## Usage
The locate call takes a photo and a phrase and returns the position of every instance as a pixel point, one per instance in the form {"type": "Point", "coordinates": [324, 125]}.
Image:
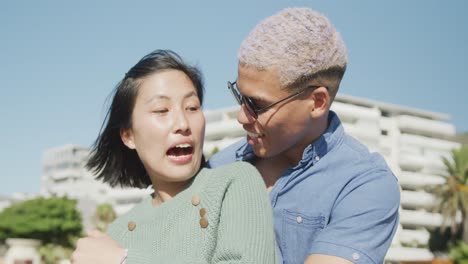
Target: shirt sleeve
{"type": "Point", "coordinates": [245, 231]}
{"type": "Point", "coordinates": [363, 221]}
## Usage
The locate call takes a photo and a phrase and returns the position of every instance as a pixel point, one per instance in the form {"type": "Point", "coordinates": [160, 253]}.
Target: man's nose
{"type": "Point", "coordinates": [244, 117]}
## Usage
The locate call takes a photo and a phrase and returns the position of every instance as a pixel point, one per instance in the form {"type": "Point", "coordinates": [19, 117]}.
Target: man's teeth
{"type": "Point", "coordinates": [186, 145]}
{"type": "Point", "coordinates": [254, 135]}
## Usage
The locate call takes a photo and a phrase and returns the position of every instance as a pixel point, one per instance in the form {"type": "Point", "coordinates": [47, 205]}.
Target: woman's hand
{"type": "Point", "coordinates": [97, 248]}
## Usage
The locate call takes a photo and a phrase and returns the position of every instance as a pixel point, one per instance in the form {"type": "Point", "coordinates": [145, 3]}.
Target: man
{"type": "Point", "coordinates": [333, 201]}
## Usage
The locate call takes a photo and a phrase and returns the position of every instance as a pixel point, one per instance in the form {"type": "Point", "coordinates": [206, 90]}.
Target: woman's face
{"type": "Point", "coordinates": [168, 127]}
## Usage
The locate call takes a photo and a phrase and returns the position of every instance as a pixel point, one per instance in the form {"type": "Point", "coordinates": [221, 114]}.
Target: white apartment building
{"type": "Point", "coordinates": [413, 143]}
{"type": "Point", "coordinates": [64, 174]}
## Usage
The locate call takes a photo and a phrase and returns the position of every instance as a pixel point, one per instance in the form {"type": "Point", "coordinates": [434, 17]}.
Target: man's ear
{"type": "Point", "coordinates": [321, 102]}
{"type": "Point", "coordinates": [127, 137]}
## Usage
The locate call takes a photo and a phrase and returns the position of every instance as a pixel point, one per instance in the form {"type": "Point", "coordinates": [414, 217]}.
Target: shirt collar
{"type": "Point", "coordinates": [245, 152]}
{"type": "Point", "coordinates": [329, 140]}
{"type": "Point", "coordinates": [332, 137]}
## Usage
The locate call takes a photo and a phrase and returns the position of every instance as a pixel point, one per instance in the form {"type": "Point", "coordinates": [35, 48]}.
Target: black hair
{"type": "Point", "coordinates": [110, 159]}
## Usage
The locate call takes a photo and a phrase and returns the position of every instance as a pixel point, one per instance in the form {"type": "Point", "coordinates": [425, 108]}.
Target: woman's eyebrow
{"type": "Point", "coordinates": [157, 96]}
{"type": "Point", "coordinates": [165, 97]}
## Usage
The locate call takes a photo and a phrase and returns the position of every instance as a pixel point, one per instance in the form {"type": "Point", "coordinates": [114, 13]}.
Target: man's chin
{"type": "Point", "coordinates": [260, 152]}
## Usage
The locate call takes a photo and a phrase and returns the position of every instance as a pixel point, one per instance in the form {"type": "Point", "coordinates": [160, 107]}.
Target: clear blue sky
{"type": "Point", "coordinates": [59, 60]}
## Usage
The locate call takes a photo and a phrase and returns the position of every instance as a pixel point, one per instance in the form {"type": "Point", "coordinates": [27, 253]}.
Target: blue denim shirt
{"type": "Point", "coordinates": [340, 200]}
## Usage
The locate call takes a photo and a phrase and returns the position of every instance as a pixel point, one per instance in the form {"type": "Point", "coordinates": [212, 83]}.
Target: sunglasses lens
{"type": "Point", "coordinates": [235, 93]}
{"type": "Point", "coordinates": [242, 100]}
{"type": "Point", "coordinates": [249, 107]}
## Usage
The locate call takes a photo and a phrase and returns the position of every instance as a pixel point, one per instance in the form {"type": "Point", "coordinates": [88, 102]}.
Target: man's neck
{"type": "Point", "coordinates": [271, 169]}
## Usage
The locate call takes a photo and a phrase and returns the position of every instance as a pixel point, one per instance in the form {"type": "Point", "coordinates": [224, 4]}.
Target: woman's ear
{"type": "Point", "coordinates": [321, 102]}
{"type": "Point", "coordinates": [127, 137]}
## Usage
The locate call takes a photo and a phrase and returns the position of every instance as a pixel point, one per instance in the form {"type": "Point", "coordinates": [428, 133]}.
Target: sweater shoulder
{"type": "Point", "coordinates": [236, 171]}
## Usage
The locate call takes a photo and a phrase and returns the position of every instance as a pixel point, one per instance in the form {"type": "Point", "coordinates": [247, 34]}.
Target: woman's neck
{"type": "Point", "coordinates": [166, 191]}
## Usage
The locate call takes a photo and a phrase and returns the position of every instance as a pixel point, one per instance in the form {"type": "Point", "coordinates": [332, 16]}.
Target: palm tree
{"type": "Point", "coordinates": [453, 195]}
{"type": "Point", "coordinates": [104, 215]}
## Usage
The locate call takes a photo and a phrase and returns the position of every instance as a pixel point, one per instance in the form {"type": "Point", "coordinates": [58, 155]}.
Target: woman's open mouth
{"type": "Point", "coordinates": [181, 153]}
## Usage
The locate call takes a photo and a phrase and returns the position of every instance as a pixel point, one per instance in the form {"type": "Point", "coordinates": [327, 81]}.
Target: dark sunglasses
{"type": "Point", "coordinates": [254, 110]}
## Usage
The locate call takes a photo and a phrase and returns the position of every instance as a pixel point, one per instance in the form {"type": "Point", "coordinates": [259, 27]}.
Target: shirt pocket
{"type": "Point", "coordinates": [299, 231]}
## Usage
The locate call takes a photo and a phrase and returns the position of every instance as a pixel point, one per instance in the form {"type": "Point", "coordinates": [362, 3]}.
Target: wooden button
{"type": "Point", "coordinates": [196, 200]}
{"type": "Point", "coordinates": [131, 226]}
{"type": "Point", "coordinates": [203, 222]}
{"type": "Point", "coordinates": [202, 212]}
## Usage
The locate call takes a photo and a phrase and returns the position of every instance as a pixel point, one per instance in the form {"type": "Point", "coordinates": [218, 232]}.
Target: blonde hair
{"type": "Point", "coordinates": [301, 44]}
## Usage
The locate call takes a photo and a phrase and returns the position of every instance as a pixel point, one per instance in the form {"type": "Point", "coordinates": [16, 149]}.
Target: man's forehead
{"type": "Point", "coordinates": [261, 85]}
{"type": "Point", "coordinates": [257, 77]}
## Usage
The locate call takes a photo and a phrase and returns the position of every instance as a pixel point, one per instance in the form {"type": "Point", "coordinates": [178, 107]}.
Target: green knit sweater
{"type": "Point", "coordinates": [224, 216]}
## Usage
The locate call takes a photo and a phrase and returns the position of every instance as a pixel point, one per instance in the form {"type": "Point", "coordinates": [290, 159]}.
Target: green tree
{"type": "Point", "coordinates": [51, 220]}
{"type": "Point", "coordinates": [453, 195]}
{"type": "Point", "coordinates": [459, 253]}
{"type": "Point", "coordinates": [53, 254]}
{"type": "Point", "coordinates": [104, 215]}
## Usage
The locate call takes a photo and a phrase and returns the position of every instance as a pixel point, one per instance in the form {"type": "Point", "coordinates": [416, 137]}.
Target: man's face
{"type": "Point", "coordinates": [283, 130]}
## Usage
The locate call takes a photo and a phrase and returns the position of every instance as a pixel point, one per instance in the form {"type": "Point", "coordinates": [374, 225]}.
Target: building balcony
{"type": "Point", "coordinates": [351, 113]}
{"type": "Point", "coordinates": [412, 218]}
{"type": "Point", "coordinates": [219, 115]}
{"type": "Point", "coordinates": [414, 180]}
{"type": "Point", "coordinates": [418, 199]}
{"type": "Point", "coordinates": [222, 129]}
{"type": "Point", "coordinates": [429, 164]}
{"type": "Point", "coordinates": [414, 237]}
{"type": "Point", "coordinates": [408, 254]}
{"type": "Point", "coordinates": [62, 175]}
{"type": "Point", "coordinates": [368, 134]}
{"type": "Point", "coordinates": [422, 126]}
{"type": "Point", "coordinates": [411, 162]}
{"type": "Point", "coordinates": [422, 142]}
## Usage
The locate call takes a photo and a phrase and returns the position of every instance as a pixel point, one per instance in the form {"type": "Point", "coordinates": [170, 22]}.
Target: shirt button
{"type": "Point", "coordinates": [203, 222]}
{"type": "Point", "coordinates": [317, 158]}
{"type": "Point", "coordinates": [131, 226]}
{"type": "Point", "coordinates": [356, 256]}
{"type": "Point", "coordinates": [299, 219]}
{"type": "Point", "coordinates": [196, 200]}
{"type": "Point", "coordinates": [202, 212]}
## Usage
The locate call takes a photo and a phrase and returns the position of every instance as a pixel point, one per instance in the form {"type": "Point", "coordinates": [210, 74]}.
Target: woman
{"type": "Point", "coordinates": [154, 136]}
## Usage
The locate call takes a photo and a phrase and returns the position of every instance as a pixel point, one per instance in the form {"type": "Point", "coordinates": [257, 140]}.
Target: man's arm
{"type": "Point", "coordinates": [97, 248]}
{"type": "Point", "coordinates": [318, 258]}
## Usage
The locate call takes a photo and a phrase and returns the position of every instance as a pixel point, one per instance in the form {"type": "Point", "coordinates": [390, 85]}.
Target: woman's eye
{"type": "Point", "coordinates": [193, 108]}
{"type": "Point", "coordinates": [160, 111]}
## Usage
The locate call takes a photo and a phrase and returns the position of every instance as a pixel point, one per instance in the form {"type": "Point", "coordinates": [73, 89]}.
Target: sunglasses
{"type": "Point", "coordinates": [254, 110]}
